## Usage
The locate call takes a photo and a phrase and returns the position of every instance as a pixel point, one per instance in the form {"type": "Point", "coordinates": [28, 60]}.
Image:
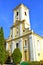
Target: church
{"type": "Point", "coordinates": [22, 37]}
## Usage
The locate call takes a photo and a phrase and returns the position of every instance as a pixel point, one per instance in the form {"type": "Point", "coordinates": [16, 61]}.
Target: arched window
{"type": "Point", "coordinates": [17, 13]}
{"type": "Point", "coordinates": [25, 42]}
{"type": "Point", "coordinates": [16, 45]}
{"type": "Point", "coordinates": [25, 13]}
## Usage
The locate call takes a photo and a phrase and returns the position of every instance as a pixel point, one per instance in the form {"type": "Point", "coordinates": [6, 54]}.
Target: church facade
{"type": "Point", "coordinates": [22, 37]}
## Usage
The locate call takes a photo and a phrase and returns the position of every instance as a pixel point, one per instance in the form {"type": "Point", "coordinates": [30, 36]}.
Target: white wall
{"type": "Point", "coordinates": [21, 14]}
{"type": "Point", "coordinates": [7, 46]}
{"type": "Point", "coordinates": [13, 46]}
{"type": "Point", "coordinates": [13, 33]}
{"type": "Point", "coordinates": [34, 47]}
{"type": "Point", "coordinates": [21, 31]}
{"type": "Point", "coordinates": [31, 48]}
{"type": "Point", "coordinates": [20, 44]}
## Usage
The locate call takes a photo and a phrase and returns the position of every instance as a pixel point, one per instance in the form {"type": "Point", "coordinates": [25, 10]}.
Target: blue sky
{"type": "Point", "coordinates": [36, 14]}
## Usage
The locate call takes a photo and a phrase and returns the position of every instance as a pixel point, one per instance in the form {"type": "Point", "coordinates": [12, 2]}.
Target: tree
{"type": "Point", "coordinates": [16, 56]}
{"type": "Point", "coordinates": [2, 49]}
{"type": "Point", "coordinates": [7, 58]}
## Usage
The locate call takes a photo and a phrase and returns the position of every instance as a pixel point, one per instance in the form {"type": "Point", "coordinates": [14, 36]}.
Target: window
{"type": "Point", "coordinates": [38, 54]}
{"type": "Point", "coordinates": [38, 45]}
{"type": "Point", "coordinates": [17, 27]}
{"type": "Point", "coordinates": [16, 21]}
{"type": "Point", "coordinates": [11, 35]}
{"type": "Point", "coordinates": [25, 13]}
{"type": "Point", "coordinates": [25, 42]}
{"type": "Point", "coordinates": [16, 45]}
{"type": "Point", "coordinates": [23, 30]}
{"type": "Point", "coordinates": [17, 32]}
{"type": "Point", "coordinates": [17, 13]}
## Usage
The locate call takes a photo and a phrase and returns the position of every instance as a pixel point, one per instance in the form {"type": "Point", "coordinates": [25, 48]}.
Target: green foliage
{"type": "Point", "coordinates": [16, 56]}
{"type": "Point", "coordinates": [6, 56]}
{"type": "Point", "coordinates": [8, 60]}
{"type": "Point", "coordinates": [32, 63]}
{"type": "Point", "coordinates": [24, 63]}
{"type": "Point", "coordinates": [1, 37]}
{"type": "Point", "coordinates": [36, 63]}
{"type": "Point", "coordinates": [2, 49]}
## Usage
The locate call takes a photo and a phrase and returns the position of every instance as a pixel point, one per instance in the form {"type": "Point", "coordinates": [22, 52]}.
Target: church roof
{"type": "Point", "coordinates": [37, 35]}
{"type": "Point", "coordinates": [19, 6]}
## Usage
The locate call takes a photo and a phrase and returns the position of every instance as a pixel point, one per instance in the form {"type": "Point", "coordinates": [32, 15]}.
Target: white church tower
{"type": "Point", "coordinates": [21, 13]}
{"type": "Point", "coordinates": [21, 23]}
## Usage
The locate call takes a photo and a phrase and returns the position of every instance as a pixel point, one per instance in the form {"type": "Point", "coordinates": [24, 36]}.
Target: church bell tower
{"type": "Point", "coordinates": [21, 12]}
